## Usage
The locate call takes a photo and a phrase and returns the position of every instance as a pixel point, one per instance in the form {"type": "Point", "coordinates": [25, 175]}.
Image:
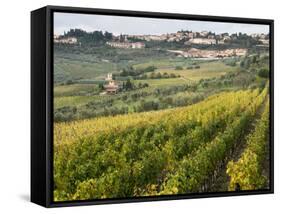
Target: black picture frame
{"type": "Point", "coordinates": [42, 103]}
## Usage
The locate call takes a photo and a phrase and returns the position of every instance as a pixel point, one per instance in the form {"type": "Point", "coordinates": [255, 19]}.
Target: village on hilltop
{"type": "Point", "coordinates": [188, 37]}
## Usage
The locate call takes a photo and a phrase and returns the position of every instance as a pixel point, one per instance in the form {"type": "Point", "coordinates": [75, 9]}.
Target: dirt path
{"type": "Point", "coordinates": [222, 180]}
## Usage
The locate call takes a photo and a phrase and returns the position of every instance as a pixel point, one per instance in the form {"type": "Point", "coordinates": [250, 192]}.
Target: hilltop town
{"type": "Point", "coordinates": [186, 38]}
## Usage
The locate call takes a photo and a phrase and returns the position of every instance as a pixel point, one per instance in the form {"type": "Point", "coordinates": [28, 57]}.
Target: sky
{"type": "Point", "coordinates": [140, 26]}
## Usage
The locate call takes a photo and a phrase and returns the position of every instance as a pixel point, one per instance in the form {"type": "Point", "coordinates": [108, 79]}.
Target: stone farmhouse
{"type": "Point", "coordinates": [111, 87]}
{"type": "Point", "coordinates": [68, 40]}
{"type": "Point", "coordinates": [126, 45]}
{"type": "Point", "coordinates": [203, 41]}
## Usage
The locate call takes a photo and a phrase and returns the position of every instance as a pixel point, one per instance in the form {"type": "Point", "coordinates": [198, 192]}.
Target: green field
{"type": "Point", "coordinates": [206, 70]}
{"type": "Point", "coordinates": [75, 69]}
{"type": "Point", "coordinates": [83, 67]}
{"type": "Point", "coordinates": [74, 90]}
{"type": "Point", "coordinates": [80, 66]}
{"type": "Point", "coordinates": [168, 62]}
{"type": "Point", "coordinates": [81, 94]}
{"type": "Point", "coordinates": [164, 82]}
{"type": "Point", "coordinates": [72, 101]}
{"type": "Point", "coordinates": [176, 81]}
{"type": "Point", "coordinates": [67, 95]}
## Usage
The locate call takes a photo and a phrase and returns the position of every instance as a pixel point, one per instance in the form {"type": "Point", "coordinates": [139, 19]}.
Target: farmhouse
{"type": "Point", "coordinates": [112, 87]}
{"type": "Point", "coordinates": [264, 41]}
{"type": "Point", "coordinates": [204, 33]}
{"type": "Point", "coordinates": [240, 51]}
{"type": "Point", "coordinates": [126, 45]}
{"type": "Point", "coordinates": [68, 40]}
{"type": "Point", "coordinates": [138, 45]}
{"type": "Point", "coordinates": [119, 44]}
{"type": "Point", "coordinates": [202, 41]}
{"type": "Point", "coordinates": [162, 37]}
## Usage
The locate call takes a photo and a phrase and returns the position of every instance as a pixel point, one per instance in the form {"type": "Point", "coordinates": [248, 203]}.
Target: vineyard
{"type": "Point", "coordinates": [173, 151]}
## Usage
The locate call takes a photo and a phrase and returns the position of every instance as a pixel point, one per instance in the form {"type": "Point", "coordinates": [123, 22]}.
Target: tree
{"type": "Point", "coordinates": [172, 75]}
{"type": "Point", "coordinates": [264, 73]}
{"type": "Point", "coordinates": [245, 63]}
{"type": "Point", "coordinates": [69, 82]}
{"type": "Point", "coordinates": [128, 85]}
{"type": "Point", "coordinates": [178, 68]}
{"type": "Point", "coordinates": [101, 86]}
{"type": "Point", "coordinates": [152, 75]}
{"type": "Point", "coordinates": [158, 75]}
{"type": "Point", "coordinates": [107, 35]}
{"type": "Point", "coordinates": [254, 59]}
{"type": "Point", "coordinates": [145, 85]}
{"type": "Point", "coordinates": [121, 38]}
{"type": "Point", "coordinates": [149, 69]}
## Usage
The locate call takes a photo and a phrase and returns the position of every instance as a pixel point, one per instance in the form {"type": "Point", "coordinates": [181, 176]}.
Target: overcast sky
{"type": "Point", "coordinates": [132, 25]}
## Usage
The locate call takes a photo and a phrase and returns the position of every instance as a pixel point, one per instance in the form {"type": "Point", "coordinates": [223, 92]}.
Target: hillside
{"type": "Point", "coordinates": [172, 151]}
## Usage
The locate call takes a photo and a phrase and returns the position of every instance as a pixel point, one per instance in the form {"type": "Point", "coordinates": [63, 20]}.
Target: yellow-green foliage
{"type": "Point", "coordinates": [247, 171]}
{"type": "Point", "coordinates": [148, 153]}
{"type": "Point", "coordinates": [197, 167]}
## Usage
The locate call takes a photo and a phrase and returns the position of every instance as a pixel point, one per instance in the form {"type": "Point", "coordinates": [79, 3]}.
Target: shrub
{"type": "Point", "coordinates": [264, 73]}
{"type": "Point", "coordinates": [178, 68]}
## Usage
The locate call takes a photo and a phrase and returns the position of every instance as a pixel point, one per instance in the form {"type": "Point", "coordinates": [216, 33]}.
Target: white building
{"type": "Point", "coordinates": [204, 33]}
{"type": "Point", "coordinates": [68, 40]}
{"type": "Point", "coordinates": [264, 41]}
{"type": "Point", "coordinates": [202, 41]}
{"type": "Point", "coordinates": [138, 45]}
{"type": "Point", "coordinates": [126, 45]}
{"type": "Point", "coordinates": [111, 87]}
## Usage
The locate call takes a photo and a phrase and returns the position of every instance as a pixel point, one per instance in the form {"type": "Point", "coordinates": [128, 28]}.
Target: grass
{"type": "Point", "coordinates": [164, 63]}
{"type": "Point", "coordinates": [163, 82]}
{"type": "Point", "coordinates": [88, 66]}
{"type": "Point", "coordinates": [75, 69]}
{"type": "Point", "coordinates": [72, 101]}
{"type": "Point", "coordinates": [74, 89]}
{"type": "Point", "coordinates": [206, 70]}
